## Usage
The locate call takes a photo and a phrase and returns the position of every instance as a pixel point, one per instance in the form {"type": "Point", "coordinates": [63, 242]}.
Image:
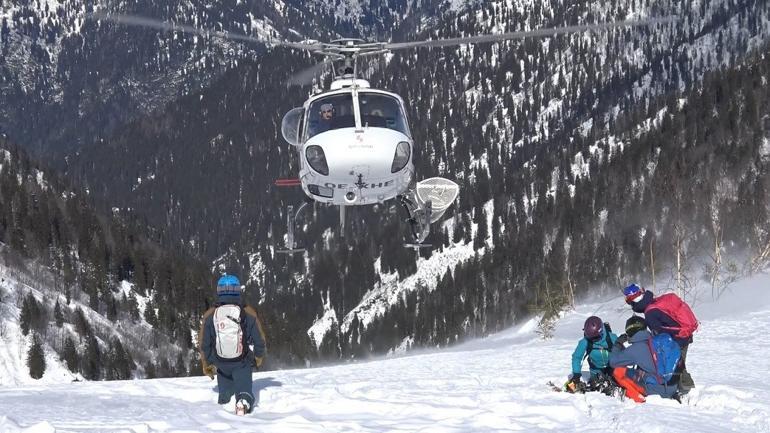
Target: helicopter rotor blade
{"type": "Point", "coordinates": [305, 76]}
{"type": "Point", "coordinates": [139, 21]}
{"type": "Point", "coordinates": [538, 33]}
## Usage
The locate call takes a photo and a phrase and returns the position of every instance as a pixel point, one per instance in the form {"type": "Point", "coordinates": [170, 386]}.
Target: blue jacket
{"type": "Point", "coordinates": [638, 354]}
{"type": "Point", "coordinates": [599, 357]}
{"type": "Point", "coordinates": [657, 321]}
{"type": "Point", "coordinates": [254, 335]}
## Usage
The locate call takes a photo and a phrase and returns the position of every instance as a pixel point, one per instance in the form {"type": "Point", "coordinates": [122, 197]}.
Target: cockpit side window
{"type": "Point", "coordinates": [382, 111]}
{"type": "Point", "coordinates": [331, 112]}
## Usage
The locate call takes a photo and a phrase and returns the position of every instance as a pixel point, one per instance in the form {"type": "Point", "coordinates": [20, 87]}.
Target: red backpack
{"type": "Point", "coordinates": [679, 311]}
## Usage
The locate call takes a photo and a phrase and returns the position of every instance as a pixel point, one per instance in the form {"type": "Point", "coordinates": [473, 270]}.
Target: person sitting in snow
{"type": "Point", "coordinates": [227, 330]}
{"type": "Point", "coordinates": [635, 369]}
{"type": "Point", "coordinates": [595, 347]}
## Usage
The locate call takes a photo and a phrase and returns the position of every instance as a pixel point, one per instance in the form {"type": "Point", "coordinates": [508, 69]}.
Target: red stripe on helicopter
{"type": "Point", "coordinates": [287, 182]}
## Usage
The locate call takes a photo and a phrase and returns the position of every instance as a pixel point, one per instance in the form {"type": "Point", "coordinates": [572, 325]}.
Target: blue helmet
{"type": "Point", "coordinates": [228, 285]}
{"type": "Point", "coordinates": [632, 292]}
{"type": "Point", "coordinates": [228, 280]}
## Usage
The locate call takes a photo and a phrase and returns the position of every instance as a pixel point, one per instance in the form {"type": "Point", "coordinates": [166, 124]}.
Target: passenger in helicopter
{"type": "Point", "coordinates": [382, 111]}
{"type": "Point", "coordinates": [375, 118]}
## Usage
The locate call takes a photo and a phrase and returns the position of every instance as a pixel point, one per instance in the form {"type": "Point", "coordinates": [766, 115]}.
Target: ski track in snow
{"type": "Point", "coordinates": [494, 384]}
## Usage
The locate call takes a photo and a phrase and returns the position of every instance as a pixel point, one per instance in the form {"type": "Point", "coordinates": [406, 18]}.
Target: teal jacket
{"type": "Point", "coordinates": [598, 359]}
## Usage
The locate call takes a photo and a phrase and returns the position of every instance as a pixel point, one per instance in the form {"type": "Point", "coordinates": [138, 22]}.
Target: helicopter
{"type": "Point", "coordinates": [355, 148]}
{"type": "Point", "coordinates": [353, 141]}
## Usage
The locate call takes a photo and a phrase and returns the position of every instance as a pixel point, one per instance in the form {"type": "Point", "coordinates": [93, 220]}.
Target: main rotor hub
{"type": "Point", "coordinates": [347, 50]}
{"type": "Point", "coordinates": [350, 47]}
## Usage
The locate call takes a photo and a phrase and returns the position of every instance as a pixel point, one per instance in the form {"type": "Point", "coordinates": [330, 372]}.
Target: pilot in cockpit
{"type": "Point", "coordinates": [326, 119]}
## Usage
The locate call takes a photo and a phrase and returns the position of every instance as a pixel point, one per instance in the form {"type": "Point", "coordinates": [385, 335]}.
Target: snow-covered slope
{"type": "Point", "coordinates": [14, 347]}
{"type": "Point", "coordinates": [16, 284]}
{"type": "Point", "coordinates": [495, 384]}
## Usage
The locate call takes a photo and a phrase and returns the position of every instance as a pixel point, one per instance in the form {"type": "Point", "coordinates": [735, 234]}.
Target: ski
{"type": "Point", "coordinates": [554, 387]}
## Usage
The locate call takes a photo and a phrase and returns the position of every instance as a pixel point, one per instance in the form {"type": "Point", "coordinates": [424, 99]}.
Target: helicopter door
{"type": "Point", "coordinates": [290, 126]}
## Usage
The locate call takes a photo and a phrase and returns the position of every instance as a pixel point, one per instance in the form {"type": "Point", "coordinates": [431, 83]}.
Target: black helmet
{"type": "Point", "coordinates": [592, 329]}
{"type": "Point", "coordinates": [635, 324]}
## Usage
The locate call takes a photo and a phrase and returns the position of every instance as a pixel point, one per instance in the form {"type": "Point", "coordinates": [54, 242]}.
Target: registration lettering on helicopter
{"type": "Point", "coordinates": [361, 185]}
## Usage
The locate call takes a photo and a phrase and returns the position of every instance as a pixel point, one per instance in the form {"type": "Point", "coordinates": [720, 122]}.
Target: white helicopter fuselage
{"type": "Point", "coordinates": [359, 162]}
{"type": "Point", "coordinates": [365, 158]}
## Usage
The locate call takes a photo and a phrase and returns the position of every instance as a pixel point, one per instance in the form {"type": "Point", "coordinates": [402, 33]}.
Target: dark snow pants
{"type": "Point", "coordinates": [685, 382]}
{"type": "Point", "coordinates": [234, 379]}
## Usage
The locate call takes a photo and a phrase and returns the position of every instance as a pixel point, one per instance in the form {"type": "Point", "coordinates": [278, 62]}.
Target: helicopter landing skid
{"type": "Point", "coordinates": [291, 219]}
{"type": "Point", "coordinates": [419, 218]}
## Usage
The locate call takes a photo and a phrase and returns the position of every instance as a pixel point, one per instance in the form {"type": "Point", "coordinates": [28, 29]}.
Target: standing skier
{"type": "Point", "coordinates": [595, 347]}
{"type": "Point", "coordinates": [670, 315]}
{"type": "Point", "coordinates": [227, 331]}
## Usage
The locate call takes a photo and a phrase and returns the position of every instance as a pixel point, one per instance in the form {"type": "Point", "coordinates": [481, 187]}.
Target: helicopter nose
{"type": "Point", "coordinates": [360, 169]}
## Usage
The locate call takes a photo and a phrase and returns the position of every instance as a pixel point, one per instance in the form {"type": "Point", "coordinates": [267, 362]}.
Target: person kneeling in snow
{"type": "Point", "coordinates": [227, 330]}
{"type": "Point", "coordinates": [656, 359]}
{"type": "Point", "coordinates": [595, 347]}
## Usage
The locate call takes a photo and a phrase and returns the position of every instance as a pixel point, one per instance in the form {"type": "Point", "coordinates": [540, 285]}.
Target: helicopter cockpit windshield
{"type": "Point", "coordinates": [331, 112]}
{"type": "Point", "coordinates": [381, 111]}
{"type": "Point", "coordinates": [376, 110]}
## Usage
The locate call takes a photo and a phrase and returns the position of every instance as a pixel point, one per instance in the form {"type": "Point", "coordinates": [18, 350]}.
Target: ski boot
{"type": "Point", "coordinates": [575, 387]}
{"type": "Point", "coordinates": [242, 407]}
{"type": "Point", "coordinates": [603, 384]}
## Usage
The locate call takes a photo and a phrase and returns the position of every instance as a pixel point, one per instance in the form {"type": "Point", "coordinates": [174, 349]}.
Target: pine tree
{"type": "Point", "coordinates": [149, 314]}
{"type": "Point", "coordinates": [92, 359]}
{"type": "Point", "coordinates": [457, 230]}
{"type": "Point", "coordinates": [196, 367]}
{"type": "Point", "coordinates": [180, 369]}
{"type": "Point", "coordinates": [57, 314]}
{"type": "Point", "coordinates": [112, 309]}
{"type": "Point", "coordinates": [82, 327]}
{"type": "Point", "coordinates": [36, 358]}
{"type": "Point", "coordinates": [70, 355]}
{"type": "Point", "coordinates": [164, 369]}
{"type": "Point", "coordinates": [149, 370]}
{"type": "Point", "coordinates": [133, 308]}
{"type": "Point", "coordinates": [481, 229]}
{"type": "Point", "coordinates": [25, 319]}
{"type": "Point", "coordinates": [119, 362]}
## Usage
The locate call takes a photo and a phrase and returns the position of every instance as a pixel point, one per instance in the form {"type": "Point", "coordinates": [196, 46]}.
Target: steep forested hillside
{"type": "Point", "coordinates": [93, 287]}
{"type": "Point", "coordinates": [83, 78]}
